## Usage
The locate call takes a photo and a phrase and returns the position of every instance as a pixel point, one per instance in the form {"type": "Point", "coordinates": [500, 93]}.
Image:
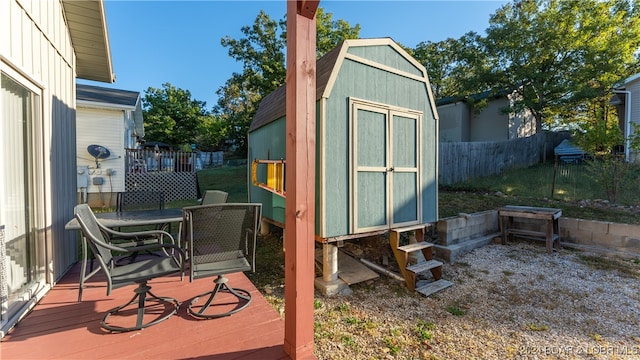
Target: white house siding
{"type": "Point", "coordinates": [106, 128]}
{"type": "Point", "coordinates": [35, 46]}
{"type": "Point", "coordinates": [130, 131]}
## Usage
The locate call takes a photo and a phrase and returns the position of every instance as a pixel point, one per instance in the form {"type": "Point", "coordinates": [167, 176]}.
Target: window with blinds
{"type": "Point", "coordinates": [20, 270]}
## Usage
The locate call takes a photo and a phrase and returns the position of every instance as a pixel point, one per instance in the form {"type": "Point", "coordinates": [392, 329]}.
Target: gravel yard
{"type": "Point", "coordinates": [508, 302]}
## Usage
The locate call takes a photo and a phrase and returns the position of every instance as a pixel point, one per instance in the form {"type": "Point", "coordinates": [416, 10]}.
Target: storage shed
{"type": "Point", "coordinates": [377, 144]}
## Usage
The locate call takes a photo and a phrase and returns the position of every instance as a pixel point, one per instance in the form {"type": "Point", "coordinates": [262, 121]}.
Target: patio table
{"type": "Point", "coordinates": [133, 218]}
{"type": "Point", "coordinates": [123, 219]}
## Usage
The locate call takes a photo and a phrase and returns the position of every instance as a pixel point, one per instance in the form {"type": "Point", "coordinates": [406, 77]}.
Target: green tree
{"type": "Point", "coordinates": [600, 137]}
{"type": "Point", "coordinates": [212, 134]}
{"type": "Point", "coordinates": [330, 33]}
{"type": "Point", "coordinates": [453, 65]}
{"type": "Point", "coordinates": [172, 116]}
{"type": "Point", "coordinates": [559, 56]}
{"type": "Point", "coordinates": [262, 54]}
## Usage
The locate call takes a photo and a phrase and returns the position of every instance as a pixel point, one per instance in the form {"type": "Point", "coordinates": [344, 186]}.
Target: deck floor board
{"type": "Point", "coordinates": [59, 327]}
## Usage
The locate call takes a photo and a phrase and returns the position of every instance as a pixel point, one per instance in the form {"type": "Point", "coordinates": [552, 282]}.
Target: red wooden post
{"type": "Point", "coordinates": [300, 178]}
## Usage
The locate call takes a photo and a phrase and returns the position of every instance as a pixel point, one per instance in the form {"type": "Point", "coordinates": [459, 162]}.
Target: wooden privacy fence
{"type": "Point", "coordinates": [461, 161]}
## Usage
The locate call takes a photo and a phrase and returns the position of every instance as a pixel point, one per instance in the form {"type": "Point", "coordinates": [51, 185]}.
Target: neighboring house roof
{"type": "Point", "coordinates": [106, 98]}
{"type": "Point", "coordinates": [97, 94]}
{"type": "Point", "coordinates": [88, 29]}
{"type": "Point", "coordinates": [273, 105]}
{"type": "Point", "coordinates": [630, 79]}
{"type": "Point", "coordinates": [474, 97]}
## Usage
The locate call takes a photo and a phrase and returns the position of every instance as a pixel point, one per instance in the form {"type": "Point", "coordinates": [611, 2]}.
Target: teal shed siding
{"type": "Point", "coordinates": [376, 74]}
{"type": "Point", "coordinates": [267, 143]}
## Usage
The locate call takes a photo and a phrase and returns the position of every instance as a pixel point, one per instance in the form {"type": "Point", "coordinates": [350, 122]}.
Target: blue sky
{"type": "Point", "coordinates": [154, 42]}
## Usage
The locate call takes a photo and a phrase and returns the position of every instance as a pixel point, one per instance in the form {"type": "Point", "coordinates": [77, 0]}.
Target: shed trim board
{"type": "Point", "coordinates": [388, 169]}
{"type": "Point", "coordinates": [381, 41]}
{"type": "Point", "coordinates": [321, 173]}
{"type": "Point", "coordinates": [377, 65]}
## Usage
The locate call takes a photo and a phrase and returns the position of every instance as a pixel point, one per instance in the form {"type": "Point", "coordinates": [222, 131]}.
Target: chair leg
{"type": "Point", "coordinates": [140, 297]}
{"type": "Point", "coordinates": [244, 299]}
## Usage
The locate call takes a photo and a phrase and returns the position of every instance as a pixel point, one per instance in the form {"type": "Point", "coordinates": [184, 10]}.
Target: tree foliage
{"type": "Point", "coordinates": [262, 54]}
{"type": "Point", "coordinates": [453, 65]}
{"type": "Point", "coordinates": [173, 117]}
{"type": "Point", "coordinates": [560, 55]}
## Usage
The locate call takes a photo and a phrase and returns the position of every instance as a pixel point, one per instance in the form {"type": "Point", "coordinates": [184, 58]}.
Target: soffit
{"type": "Point", "coordinates": [87, 25]}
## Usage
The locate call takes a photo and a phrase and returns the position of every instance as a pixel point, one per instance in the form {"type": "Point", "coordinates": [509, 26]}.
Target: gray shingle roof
{"type": "Point", "coordinates": [273, 106]}
{"type": "Point", "coordinates": [106, 95]}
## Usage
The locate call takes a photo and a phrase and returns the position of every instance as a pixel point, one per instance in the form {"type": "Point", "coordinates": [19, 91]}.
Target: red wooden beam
{"type": "Point", "coordinates": [300, 178]}
{"type": "Point", "coordinates": [307, 8]}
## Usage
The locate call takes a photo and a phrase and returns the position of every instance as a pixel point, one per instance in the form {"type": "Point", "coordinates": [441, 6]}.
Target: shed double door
{"type": "Point", "coordinates": [385, 158]}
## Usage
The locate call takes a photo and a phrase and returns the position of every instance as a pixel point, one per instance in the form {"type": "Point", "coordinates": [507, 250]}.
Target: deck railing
{"type": "Point", "coordinates": [150, 160]}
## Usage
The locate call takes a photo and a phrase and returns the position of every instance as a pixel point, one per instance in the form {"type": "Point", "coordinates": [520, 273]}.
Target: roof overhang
{"type": "Point", "coordinates": [87, 25]}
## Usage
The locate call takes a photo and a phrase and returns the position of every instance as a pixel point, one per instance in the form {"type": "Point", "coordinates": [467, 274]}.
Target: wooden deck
{"type": "Point", "coordinates": [59, 327]}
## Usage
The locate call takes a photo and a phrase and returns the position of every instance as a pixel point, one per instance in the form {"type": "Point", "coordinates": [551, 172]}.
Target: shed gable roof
{"type": "Point", "coordinates": [273, 105]}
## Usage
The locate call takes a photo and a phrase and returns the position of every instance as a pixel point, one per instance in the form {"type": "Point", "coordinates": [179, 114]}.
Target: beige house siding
{"type": "Point", "coordinates": [454, 122]}
{"type": "Point", "coordinates": [459, 122]}
{"type": "Point", "coordinates": [490, 124]}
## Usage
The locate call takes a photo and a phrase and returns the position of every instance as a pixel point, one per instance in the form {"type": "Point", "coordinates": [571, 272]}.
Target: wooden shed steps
{"type": "Point", "coordinates": [409, 271]}
{"type": "Point", "coordinates": [434, 287]}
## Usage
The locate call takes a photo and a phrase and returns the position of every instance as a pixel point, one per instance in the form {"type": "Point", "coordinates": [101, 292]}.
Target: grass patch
{"type": "Point", "coordinates": [532, 187]}
{"type": "Point", "coordinates": [269, 274]}
{"type": "Point", "coordinates": [392, 344]}
{"type": "Point", "coordinates": [347, 340]}
{"type": "Point", "coordinates": [456, 311]}
{"type": "Point", "coordinates": [232, 179]}
{"type": "Point", "coordinates": [424, 330]}
{"type": "Point", "coordinates": [628, 268]}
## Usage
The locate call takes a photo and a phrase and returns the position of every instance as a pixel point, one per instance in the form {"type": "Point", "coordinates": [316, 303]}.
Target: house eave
{"type": "Point", "coordinates": [101, 105]}
{"type": "Point", "coordinates": [87, 25]}
{"type": "Point", "coordinates": [623, 84]}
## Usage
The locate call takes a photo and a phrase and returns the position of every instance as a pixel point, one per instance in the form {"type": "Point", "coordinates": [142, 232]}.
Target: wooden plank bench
{"type": "Point", "coordinates": [551, 235]}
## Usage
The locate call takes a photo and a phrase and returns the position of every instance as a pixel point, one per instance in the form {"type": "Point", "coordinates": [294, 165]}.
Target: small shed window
{"type": "Point", "coordinates": [272, 179]}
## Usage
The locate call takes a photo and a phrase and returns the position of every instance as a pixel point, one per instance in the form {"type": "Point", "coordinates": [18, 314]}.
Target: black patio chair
{"type": "Point", "coordinates": [139, 200]}
{"type": "Point", "coordinates": [170, 261]}
{"type": "Point", "coordinates": [221, 239]}
{"type": "Point", "coordinates": [214, 197]}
